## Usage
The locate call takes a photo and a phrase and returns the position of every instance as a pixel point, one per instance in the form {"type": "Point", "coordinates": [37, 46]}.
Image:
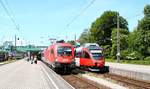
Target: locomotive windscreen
{"type": "Point", "coordinates": [94, 47]}
{"type": "Point", "coordinates": [64, 50]}
{"type": "Point", "coordinates": [97, 56]}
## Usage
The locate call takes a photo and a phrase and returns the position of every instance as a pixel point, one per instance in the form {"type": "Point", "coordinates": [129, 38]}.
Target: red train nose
{"type": "Point", "coordinates": [100, 64]}
{"type": "Point", "coordinates": [96, 64]}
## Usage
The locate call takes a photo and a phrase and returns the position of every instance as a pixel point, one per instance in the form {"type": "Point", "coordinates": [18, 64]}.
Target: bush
{"type": "Point", "coordinates": [134, 55]}
{"type": "Point", "coordinates": [106, 51]}
{"type": "Point", "coordinates": [124, 54]}
{"type": "Point", "coordinates": [147, 58]}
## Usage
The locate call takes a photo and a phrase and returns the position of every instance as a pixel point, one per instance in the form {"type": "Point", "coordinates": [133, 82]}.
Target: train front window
{"type": "Point", "coordinates": [64, 51]}
{"type": "Point", "coordinates": [94, 47]}
{"type": "Point", "coordinates": [85, 55]}
{"type": "Point", "coordinates": [97, 56]}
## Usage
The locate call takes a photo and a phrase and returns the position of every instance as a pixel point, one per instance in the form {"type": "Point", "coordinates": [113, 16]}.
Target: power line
{"type": "Point", "coordinates": [9, 14]}
{"type": "Point", "coordinates": [131, 17]}
{"type": "Point", "coordinates": [9, 8]}
{"type": "Point", "coordinates": [76, 17]}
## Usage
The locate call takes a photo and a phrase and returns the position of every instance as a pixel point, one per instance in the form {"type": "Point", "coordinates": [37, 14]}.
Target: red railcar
{"type": "Point", "coordinates": [60, 56]}
{"type": "Point", "coordinates": [90, 56]}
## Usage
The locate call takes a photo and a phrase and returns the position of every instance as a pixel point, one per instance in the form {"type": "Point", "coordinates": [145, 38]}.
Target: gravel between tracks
{"type": "Point", "coordinates": [82, 83]}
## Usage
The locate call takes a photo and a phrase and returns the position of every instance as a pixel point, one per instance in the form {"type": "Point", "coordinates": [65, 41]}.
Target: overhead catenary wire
{"type": "Point", "coordinates": [77, 16]}
{"type": "Point", "coordinates": [5, 5]}
{"type": "Point", "coordinates": [9, 8]}
{"type": "Point", "coordinates": [11, 16]}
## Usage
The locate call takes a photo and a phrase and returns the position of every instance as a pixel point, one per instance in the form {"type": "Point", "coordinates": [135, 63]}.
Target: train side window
{"type": "Point", "coordinates": [85, 55]}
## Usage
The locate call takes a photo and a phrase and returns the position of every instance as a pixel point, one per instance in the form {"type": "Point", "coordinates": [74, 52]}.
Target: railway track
{"type": "Point", "coordinates": [130, 82]}
{"type": "Point", "coordinates": [79, 82]}
{"type": "Point", "coordinates": [127, 82]}
{"type": "Point", "coordinates": [82, 83]}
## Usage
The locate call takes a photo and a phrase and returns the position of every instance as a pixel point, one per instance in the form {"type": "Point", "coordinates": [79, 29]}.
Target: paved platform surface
{"type": "Point", "coordinates": [104, 82]}
{"type": "Point", "coordinates": [24, 75]}
{"type": "Point", "coordinates": [140, 72]}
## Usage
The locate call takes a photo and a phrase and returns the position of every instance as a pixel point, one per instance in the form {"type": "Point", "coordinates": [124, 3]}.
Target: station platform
{"type": "Point", "coordinates": [138, 72]}
{"type": "Point", "coordinates": [24, 75]}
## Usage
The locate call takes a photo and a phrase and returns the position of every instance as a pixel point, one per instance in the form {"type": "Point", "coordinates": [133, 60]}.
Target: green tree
{"type": "Point", "coordinates": [147, 10]}
{"type": "Point", "coordinates": [101, 29]}
{"type": "Point", "coordinates": [123, 40]}
{"type": "Point", "coordinates": [85, 37]}
{"type": "Point", "coordinates": [144, 24]}
{"type": "Point", "coordinates": [71, 42]}
{"type": "Point", "coordinates": [139, 40]}
{"type": "Point", "coordinates": [143, 33]}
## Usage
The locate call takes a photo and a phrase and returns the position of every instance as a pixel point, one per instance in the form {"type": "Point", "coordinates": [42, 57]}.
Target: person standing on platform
{"type": "Point", "coordinates": [32, 59]}
{"type": "Point", "coordinates": [35, 59]}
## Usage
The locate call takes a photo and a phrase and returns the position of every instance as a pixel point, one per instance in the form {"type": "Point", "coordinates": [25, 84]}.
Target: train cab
{"type": "Point", "coordinates": [60, 56]}
{"type": "Point", "coordinates": [90, 56]}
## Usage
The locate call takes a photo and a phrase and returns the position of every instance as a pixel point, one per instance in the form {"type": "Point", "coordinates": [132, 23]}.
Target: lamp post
{"type": "Point", "coordinates": [16, 38]}
{"type": "Point", "coordinates": [15, 41]}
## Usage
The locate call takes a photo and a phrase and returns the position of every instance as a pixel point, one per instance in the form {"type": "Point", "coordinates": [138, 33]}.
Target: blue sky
{"type": "Point", "coordinates": [40, 20]}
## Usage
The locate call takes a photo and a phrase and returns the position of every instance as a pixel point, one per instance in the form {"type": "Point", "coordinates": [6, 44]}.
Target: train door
{"type": "Point", "coordinates": [85, 59]}
{"type": "Point", "coordinates": [77, 58]}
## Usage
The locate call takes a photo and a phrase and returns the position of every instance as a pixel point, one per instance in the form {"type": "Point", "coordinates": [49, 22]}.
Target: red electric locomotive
{"type": "Point", "coordinates": [90, 56]}
{"type": "Point", "coordinates": [60, 56]}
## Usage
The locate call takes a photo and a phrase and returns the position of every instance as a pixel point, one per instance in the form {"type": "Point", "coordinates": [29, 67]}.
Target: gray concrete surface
{"type": "Point", "coordinates": [104, 82]}
{"type": "Point", "coordinates": [139, 72]}
{"type": "Point", "coordinates": [24, 75]}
